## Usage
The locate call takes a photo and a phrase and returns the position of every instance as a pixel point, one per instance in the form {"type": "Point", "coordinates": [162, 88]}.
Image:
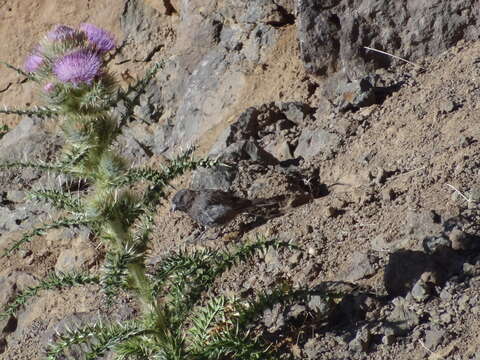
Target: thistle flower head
{"type": "Point", "coordinates": [61, 32]}
{"type": "Point", "coordinates": [33, 62]}
{"type": "Point", "coordinates": [101, 40]}
{"type": "Point", "coordinates": [80, 66]}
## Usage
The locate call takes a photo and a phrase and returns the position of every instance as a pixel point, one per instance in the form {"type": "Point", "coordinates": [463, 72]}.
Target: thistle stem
{"type": "Point", "coordinates": [141, 284]}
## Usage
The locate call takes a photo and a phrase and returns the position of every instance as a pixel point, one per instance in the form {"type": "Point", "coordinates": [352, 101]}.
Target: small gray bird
{"type": "Point", "coordinates": [212, 208]}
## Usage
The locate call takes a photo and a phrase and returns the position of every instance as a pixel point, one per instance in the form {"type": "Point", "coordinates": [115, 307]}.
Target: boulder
{"type": "Point", "coordinates": [332, 34]}
{"type": "Point", "coordinates": [313, 142]}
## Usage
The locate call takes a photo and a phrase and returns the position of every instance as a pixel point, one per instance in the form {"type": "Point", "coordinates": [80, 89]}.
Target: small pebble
{"type": "Point", "coordinates": [312, 251]}
{"type": "Point", "coordinates": [330, 212]}
{"type": "Point", "coordinates": [446, 318]}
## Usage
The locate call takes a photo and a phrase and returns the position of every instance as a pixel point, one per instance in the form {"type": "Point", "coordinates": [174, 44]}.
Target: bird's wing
{"type": "Point", "coordinates": [215, 215]}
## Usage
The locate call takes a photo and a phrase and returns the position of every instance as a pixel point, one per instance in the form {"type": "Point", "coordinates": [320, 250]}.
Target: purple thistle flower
{"type": "Point", "coordinates": [33, 62]}
{"type": "Point", "coordinates": [102, 40]}
{"type": "Point", "coordinates": [61, 32]}
{"type": "Point", "coordinates": [80, 66]}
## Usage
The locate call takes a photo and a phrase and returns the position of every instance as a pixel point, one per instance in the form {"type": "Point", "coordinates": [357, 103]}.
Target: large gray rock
{"type": "Point", "coordinates": [259, 41]}
{"type": "Point", "coordinates": [262, 135]}
{"type": "Point", "coordinates": [244, 128]}
{"type": "Point", "coordinates": [29, 140]}
{"type": "Point", "coordinates": [222, 176]}
{"type": "Point", "coordinates": [332, 34]}
{"type": "Point", "coordinates": [362, 266]}
{"type": "Point", "coordinates": [361, 342]}
{"type": "Point", "coordinates": [12, 283]}
{"type": "Point", "coordinates": [313, 142]}
{"type": "Point", "coordinates": [217, 45]}
{"type": "Point", "coordinates": [296, 112]}
{"type": "Point", "coordinates": [77, 258]}
{"type": "Point", "coordinates": [265, 123]}
{"type": "Point", "coordinates": [132, 149]}
{"type": "Point", "coordinates": [434, 337]}
{"type": "Point", "coordinates": [348, 94]}
{"type": "Point", "coordinates": [422, 224]}
{"type": "Point", "coordinates": [211, 89]}
{"type": "Point", "coordinates": [11, 220]}
{"type": "Point", "coordinates": [271, 12]}
{"type": "Point", "coordinates": [142, 26]}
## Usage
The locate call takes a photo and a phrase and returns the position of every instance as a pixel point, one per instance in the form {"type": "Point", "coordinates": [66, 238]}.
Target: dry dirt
{"type": "Point", "coordinates": [403, 158]}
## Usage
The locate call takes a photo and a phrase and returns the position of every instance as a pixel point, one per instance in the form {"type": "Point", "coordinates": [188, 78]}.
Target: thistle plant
{"type": "Point", "coordinates": [175, 321]}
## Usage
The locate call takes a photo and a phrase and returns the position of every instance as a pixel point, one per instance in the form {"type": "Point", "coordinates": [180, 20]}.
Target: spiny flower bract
{"type": "Point", "coordinates": [62, 32]}
{"type": "Point", "coordinates": [101, 40]}
{"type": "Point", "coordinates": [33, 62]}
{"type": "Point", "coordinates": [80, 66]}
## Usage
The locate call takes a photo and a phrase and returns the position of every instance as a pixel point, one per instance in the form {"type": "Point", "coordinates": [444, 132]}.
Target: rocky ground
{"type": "Point", "coordinates": [377, 162]}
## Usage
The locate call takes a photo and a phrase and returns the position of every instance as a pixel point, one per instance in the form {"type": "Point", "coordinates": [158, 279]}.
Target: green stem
{"type": "Point", "coordinates": [136, 270]}
{"type": "Point", "coordinates": [149, 304]}
{"type": "Point", "coordinates": [141, 285]}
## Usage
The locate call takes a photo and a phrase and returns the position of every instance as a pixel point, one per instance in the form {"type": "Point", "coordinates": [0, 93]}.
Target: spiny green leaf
{"type": "Point", "coordinates": [100, 338]}
{"type": "Point", "coordinates": [53, 281]}
{"type": "Point", "coordinates": [60, 199]}
{"type": "Point", "coordinates": [41, 112]}
{"type": "Point", "coordinates": [55, 168]}
{"type": "Point", "coordinates": [39, 231]}
{"type": "Point", "coordinates": [17, 70]}
{"type": "Point", "coordinates": [115, 269]}
{"type": "Point", "coordinates": [203, 321]}
{"type": "Point", "coordinates": [3, 130]}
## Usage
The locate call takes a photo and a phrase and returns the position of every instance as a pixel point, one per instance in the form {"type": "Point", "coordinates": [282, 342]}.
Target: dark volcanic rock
{"type": "Point", "coordinates": [269, 119]}
{"type": "Point", "coordinates": [247, 150]}
{"type": "Point", "coordinates": [404, 269]}
{"type": "Point", "coordinates": [333, 34]}
{"type": "Point", "coordinates": [436, 244]}
{"type": "Point", "coordinates": [262, 135]}
{"type": "Point", "coordinates": [217, 45]}
{"type": "Point", "coordinates": [350, 95]}
{"type": "Point", "coordinates": [222, 176]}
